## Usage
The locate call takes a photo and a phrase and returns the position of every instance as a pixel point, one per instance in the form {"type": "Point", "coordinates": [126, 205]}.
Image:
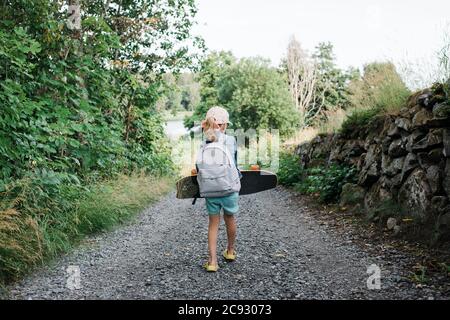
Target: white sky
{"type": "Point", "coordinates": [360, 30]}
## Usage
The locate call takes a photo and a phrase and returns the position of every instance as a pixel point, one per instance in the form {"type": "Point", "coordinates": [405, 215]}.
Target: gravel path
{"type": "Point", "coordinates": [283, 253]}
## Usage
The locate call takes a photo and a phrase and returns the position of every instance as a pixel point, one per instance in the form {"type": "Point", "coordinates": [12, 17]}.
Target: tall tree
{"type": "Point", "coordinates": [331, 91]}
{"type": "Point", "coordinates": [255, 94]}
{"type": "Point", "coordinates": [302, 77]}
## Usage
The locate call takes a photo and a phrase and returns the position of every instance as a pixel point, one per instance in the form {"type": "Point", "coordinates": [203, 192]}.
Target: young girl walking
{"type": "Point", "coordinates": [219, 183]}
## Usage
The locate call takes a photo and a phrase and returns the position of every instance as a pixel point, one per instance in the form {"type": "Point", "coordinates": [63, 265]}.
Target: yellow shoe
{"type": "Point", "coordinates": [210, 268]}
{"type": "Point", "coordinates": [229, 256]}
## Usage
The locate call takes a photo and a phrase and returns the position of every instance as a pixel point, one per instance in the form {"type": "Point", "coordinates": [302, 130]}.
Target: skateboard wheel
{"type": "Point", "coordinates": [254, 167]}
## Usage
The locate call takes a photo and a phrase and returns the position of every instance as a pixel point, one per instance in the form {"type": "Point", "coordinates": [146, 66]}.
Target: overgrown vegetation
{"type": "Point", "coordinates": [79, 106]}
{"type": "Point", "coordinates": [82, 102]}
{"type": "Point", "coordinates": [380, 91]}
{"type": "Point", "coordinates": [289, 172]}
{"type": "Point", "coordinates": [326, 181]}
{"type": "Point", "coordinates": [358, 119]}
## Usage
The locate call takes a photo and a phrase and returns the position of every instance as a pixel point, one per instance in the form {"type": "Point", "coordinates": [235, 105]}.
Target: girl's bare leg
{"type": "Point", "coordinates": [213, 230]}
{"type": "Point", "coordinates": [230, 222]}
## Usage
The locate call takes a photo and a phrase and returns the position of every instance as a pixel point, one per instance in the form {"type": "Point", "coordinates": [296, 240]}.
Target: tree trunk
{"type": "Point", "coordinates": [74, 18]}
{"type": "Point", "coordinates": [302, 75]}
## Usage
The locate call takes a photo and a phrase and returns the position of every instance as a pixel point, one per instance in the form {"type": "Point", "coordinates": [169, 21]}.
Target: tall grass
{"type": "Point", "coordinates": [380, 87]}
{"type": "Point", "coordinates": [301, 136]}
{"type": "Point", "coordinates": [35, 227]}
{"type": "Point", "coordinates": [333, 121]}
{"type": "Point", "coordinates": [380, 91]}
{"type": "Point", "coordinates": [390, 97]}
{"type": "Point", "coordinates": [20, 243]}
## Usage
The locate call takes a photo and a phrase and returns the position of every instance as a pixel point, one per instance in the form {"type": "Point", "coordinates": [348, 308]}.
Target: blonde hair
{"type": "Point", "coordinates": [210, 126]}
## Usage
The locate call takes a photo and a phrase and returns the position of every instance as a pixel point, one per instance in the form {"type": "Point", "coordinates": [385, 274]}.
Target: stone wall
{"type": "Point", "coordinates": [404, 158]}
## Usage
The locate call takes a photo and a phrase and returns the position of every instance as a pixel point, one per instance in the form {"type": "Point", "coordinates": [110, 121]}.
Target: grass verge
{"type": "Point", "coordinates": [36, 227]}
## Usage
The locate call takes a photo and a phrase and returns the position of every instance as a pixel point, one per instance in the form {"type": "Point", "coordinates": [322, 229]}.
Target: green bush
{"type": "Point", "coordinates": [73, 114]}
{"type": "Point", "coordinates": [358, 119]}
{"type": "Point", "coordinates": [78, 108]}
{"type": "Point", "coordinates": [326, 181]}
{"type": "Point", "coordinates": [289, 172]}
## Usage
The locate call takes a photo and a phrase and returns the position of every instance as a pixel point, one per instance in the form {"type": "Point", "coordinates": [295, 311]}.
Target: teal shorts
{"type": "Point", "coordinates": [229, 204]}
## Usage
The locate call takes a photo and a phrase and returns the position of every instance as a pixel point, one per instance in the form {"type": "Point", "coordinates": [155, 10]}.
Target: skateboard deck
{"type": "Point", "coordinates": [252, 181]}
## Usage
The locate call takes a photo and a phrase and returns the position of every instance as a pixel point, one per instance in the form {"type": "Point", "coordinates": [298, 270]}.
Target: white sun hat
{"type": "Point", "coordinates": [219, 114]}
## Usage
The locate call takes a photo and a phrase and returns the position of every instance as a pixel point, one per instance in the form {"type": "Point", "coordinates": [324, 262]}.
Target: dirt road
{"type": "Point", "coordinates": [283, 253]}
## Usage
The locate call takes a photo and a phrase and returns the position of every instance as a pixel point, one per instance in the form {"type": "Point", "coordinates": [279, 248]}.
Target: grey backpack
{"type": "Point", "coordinates": [217, 174]}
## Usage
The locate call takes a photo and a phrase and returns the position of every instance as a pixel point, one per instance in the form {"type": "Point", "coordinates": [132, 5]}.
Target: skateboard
{"type": "Point", "coordinates": [252, 181]}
